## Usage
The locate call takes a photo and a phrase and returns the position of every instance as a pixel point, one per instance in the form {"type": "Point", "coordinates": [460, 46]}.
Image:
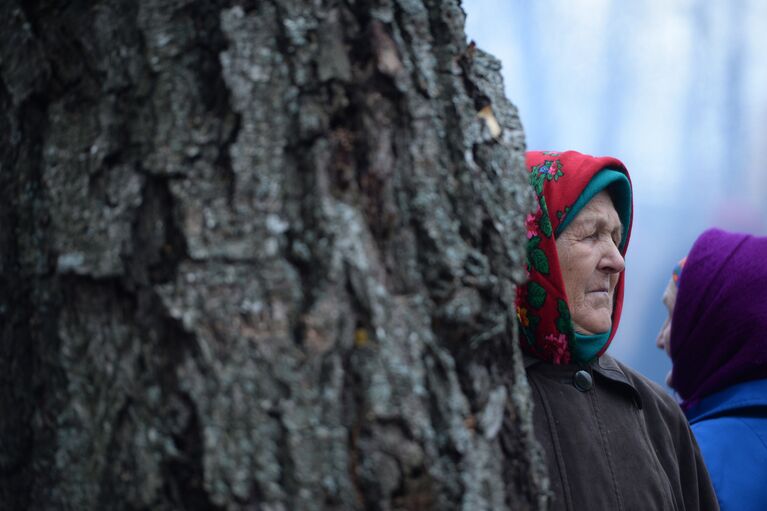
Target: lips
{"type": "Point", "coordinates": [600, 287]}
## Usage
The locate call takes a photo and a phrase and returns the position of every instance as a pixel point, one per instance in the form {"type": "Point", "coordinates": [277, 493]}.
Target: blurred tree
{"type": "Point", "coordinates": [258, 255]}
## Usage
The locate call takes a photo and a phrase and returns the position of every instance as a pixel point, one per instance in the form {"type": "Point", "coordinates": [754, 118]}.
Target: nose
{"type": "Point", "coordinates": [612, 261]}
{"type": "Point", "coordinates": [660, 342]}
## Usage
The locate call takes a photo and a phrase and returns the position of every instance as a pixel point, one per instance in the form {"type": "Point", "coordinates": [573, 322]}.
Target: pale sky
{"type": "Point", "coordinates": [676, 89]}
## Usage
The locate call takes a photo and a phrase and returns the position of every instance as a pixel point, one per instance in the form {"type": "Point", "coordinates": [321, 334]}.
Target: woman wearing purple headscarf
{"type": "Point", "coordinates": [716, 337]}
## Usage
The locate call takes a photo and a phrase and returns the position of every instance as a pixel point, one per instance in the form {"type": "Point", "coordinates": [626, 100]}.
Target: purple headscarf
{"type": "Point", "coordinates": [719, 326]}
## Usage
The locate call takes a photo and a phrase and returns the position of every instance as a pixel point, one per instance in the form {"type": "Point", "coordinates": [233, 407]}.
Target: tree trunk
{"type": "Point", "coordinates": [259, 255]}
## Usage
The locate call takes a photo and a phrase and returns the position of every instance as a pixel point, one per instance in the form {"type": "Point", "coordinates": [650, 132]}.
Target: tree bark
{"type": "Point", "coordinates": [259, 255]}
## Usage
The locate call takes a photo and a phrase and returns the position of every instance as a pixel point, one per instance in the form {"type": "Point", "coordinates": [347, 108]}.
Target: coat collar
{"type": "Point", "coordinates": [605, 366]}
{"type": "Point", "coordinates": [750, 394]}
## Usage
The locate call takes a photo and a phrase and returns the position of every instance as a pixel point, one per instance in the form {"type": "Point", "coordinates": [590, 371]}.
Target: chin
{"type": "Point", "coordinates": [596, 320]}
{"type": "Point", "coordinates": [599, 327]}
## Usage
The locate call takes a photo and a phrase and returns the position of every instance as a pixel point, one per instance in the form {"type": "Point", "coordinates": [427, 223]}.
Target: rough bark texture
{"type": "Point", "coordinates": [259, 255]}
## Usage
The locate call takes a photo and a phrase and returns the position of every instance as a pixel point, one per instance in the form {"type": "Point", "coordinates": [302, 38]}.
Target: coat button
{"type": "Point", "coordinates": [583, 381]}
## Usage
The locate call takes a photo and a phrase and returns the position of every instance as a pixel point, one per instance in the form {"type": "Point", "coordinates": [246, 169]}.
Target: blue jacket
{"type": "Point", "coordinates": [731, 429]}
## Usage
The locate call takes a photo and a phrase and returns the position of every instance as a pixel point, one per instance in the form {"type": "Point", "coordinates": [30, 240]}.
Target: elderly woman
{"type": "Point", "coordinates": [611, 438]}
{"type": "Point", "coordinates": [716, 335]}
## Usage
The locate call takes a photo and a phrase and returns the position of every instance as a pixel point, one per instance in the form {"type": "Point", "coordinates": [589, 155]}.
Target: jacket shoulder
{"type": "Point", "coordinates": [728, 442]}
{"type": "Point", "coordinates": [652, 395]}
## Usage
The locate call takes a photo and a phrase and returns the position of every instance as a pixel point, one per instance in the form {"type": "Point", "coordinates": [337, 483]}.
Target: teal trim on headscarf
{"type": "Point", "coordinates": [587, 346]}
{"type": "Point", "coordinates": [620, 189]}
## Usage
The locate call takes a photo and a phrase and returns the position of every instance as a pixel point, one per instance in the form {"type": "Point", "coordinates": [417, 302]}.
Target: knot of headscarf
{"type": "Point", "coordinates": [563, 184]}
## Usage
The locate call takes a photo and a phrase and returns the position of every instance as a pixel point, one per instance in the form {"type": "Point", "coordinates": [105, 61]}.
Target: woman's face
{"type": "Point", "coordinates": [664, 336]}
{"type": "Point", "coordinates": [591, 264]}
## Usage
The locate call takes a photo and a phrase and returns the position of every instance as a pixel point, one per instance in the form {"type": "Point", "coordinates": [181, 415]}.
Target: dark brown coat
{"type": "Point", "coordinates": [618, 443]}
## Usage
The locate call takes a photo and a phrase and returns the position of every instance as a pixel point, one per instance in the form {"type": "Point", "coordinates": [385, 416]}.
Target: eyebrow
{"type": "Point", "coordinates": [591, 219]}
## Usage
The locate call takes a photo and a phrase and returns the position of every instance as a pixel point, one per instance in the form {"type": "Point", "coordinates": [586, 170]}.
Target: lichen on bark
{"type": "Point", "coordinates": [264, 256]}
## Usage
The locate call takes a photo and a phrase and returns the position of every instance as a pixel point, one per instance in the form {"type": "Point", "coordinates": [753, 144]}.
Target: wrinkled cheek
{"type": "Point", "coordinates": [602, 301]}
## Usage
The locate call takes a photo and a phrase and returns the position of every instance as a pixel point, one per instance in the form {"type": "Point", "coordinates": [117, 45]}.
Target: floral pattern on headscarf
{"type": "Point", "coordinates": [543, 314]}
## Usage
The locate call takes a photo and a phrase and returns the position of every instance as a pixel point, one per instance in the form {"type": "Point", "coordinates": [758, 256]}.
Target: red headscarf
{"type": "Point", "coordinates": [559, 180]}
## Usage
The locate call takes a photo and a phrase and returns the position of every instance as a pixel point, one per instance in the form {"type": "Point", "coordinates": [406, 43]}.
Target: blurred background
{"type": "Point", "coordinates": [676, 89]}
